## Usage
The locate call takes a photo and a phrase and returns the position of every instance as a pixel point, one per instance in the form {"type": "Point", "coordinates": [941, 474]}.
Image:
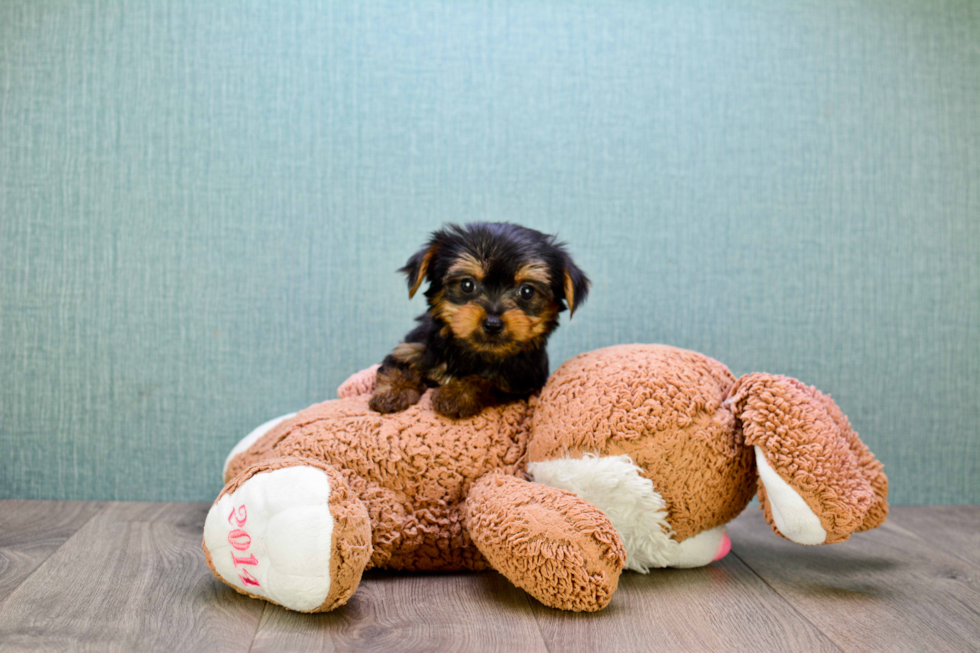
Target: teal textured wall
{"type": "Point", "coordinates": [203, 205]}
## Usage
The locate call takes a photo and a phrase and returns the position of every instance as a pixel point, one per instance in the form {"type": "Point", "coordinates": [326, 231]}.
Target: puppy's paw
{"type": "Point", "coordinates": [457, 400]}
{"type": "Point", "coordinates": [393, 400]}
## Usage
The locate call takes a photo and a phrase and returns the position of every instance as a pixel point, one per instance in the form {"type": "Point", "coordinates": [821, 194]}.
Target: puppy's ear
{"type": "Point", "coordinates": [576, 285]}
{"type": "Point", "coordinates": [417, 267]}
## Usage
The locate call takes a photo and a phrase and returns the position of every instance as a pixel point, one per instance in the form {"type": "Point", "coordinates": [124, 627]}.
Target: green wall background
{"type": "Point", "coordinates": [202, 205]}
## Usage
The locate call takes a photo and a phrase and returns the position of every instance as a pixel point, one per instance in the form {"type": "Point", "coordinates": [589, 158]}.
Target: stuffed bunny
{"type": "Point", "coordinates": [633, 456]}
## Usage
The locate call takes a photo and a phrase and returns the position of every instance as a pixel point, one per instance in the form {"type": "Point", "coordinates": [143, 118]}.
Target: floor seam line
{"type": "Point", "coordinates": [53, 553]}
{"type": "Point", "coordinates": [258, 622]}
{"type": "Point", "coordinates": [788, 602]}
{"type": "Point", "coordinates": [530, 607]}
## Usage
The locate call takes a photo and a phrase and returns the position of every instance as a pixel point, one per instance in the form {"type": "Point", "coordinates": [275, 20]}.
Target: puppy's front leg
{"type": "Point", "coordinates": [398, 387]}
{"type": "Point", "coordinates": [463, 397]}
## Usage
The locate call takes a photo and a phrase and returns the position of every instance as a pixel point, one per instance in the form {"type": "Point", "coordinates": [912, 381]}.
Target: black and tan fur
{"type": "Point", "coordinates": [495, 292]}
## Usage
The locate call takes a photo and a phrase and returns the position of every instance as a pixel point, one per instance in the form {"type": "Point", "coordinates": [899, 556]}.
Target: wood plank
{"type": "Point", "coordinates": [132, 579]}
{"type": "Point", "coordinates": [721, 607]}
{"type": "Point", "coordinates": [402, 611]}
{"type": "Point", "coordinates": [887, 589]}
{"type": "Point", "coordinates": [30, 531]}
{"type": "Point", "coordinates": [954, 529]}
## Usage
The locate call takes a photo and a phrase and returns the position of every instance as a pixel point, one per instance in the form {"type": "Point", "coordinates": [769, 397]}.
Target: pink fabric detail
{"type": "Point", "coordinates": [247, 578]}
{"type": "Point", "coordinates": [239, 539]}
{"type": "Point", "coordinates": [250, 560]}
{"type": "Point", "coordinates": [241, 518]}
{"type": "Point", "coordinates": [723, 547]}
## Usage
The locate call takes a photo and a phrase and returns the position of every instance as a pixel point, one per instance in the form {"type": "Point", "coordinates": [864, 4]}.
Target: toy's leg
{"type": "Point", "coordinates": [253, 437]}
{"type": "Point", "coordinates": [256, 446]}
{"type": "Point", "coordinates": [556, 546]}
{"type": "Point", "coordinates": [817, 482]}
{"type": "Point", "coordinates": [289, 530]}
{"type": "Point", "coordinates": [702, 549]}
{"type": "Point", "coordinates": [616, 486]}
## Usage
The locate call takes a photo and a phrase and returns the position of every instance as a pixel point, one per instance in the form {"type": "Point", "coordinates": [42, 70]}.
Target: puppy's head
{"type": "Point", "coordinates": [497, 287]}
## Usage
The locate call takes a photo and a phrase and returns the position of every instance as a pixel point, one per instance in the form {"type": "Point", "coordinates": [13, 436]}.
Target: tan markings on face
{"type": "Point", "coordinates": [523, 327]}
{"type": "Point", "coordinates": [467, 320]}
{"type": "Point", "coordinates": [570, 295]}
{"type": "Point", "coordinates": [534, 271]}
{"type": "Point", "coordinates": [423, 268]}
{"type": "Point", "coordinates": [467, 264]}
{"type": "Point", "coordinates": [410, 353]}
{"type": "Point", "coordinates": [463, 320]}
{"type": "Point", "coordinates": [444, 310]}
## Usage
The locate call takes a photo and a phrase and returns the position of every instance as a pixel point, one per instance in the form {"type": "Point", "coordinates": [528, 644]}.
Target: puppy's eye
{"type": "Point", "coordinates": [527, 292]}
{"type": "Point", "coordinates": [467, 286]}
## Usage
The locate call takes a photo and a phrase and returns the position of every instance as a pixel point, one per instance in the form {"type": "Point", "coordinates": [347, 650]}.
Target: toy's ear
{"type": "Point", "coordinates": [818, 482]}
{"type": "Point", "coordinates": [576, 285]}
{"type": "Point", "coordinates": [418, 266]}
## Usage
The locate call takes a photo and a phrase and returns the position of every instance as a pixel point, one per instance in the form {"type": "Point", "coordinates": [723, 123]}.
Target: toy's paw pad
{"type": "Point", "coordinates": [393, 400]}
{"type": "Point", "coordinates": [272, 537]}
{"type": "Point", "coordinates": [791, 515]}
{"type": "Point", "coordinates": [702, 549]}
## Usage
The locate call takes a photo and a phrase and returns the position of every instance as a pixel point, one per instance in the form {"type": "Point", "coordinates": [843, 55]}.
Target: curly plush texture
{"type": "Point", "coordinates": [351, 537]}
{"type": "Point", "coordinates": [616, 486]}
{"type": "Point", "coordinates": [359, 383]}
{"type": "Point", "coordinates": [810, 444]}
{"type": "Point", "coordinates": [412, 470]}
{"type": "Point", "coordinates": [444, 494]}
{"type": "Point", "coordinates": [557, 547]}
{"type": "Point", "coordinates": [664, 408]}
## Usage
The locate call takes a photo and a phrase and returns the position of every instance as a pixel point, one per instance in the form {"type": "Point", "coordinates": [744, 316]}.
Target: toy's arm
{"type": "Point", "coordinates": [556, 546]}
{"type": "Point", "coordinates": [359, 383]}
{"type": "Point", "coordinates": [818, 482]}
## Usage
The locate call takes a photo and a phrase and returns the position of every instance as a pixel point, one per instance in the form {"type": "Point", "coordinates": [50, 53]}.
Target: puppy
{"type": "Point", "coordinates": [495, 292]}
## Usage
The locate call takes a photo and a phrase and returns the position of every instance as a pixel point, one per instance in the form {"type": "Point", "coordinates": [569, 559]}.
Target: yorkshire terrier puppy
{"type": "Point", "coordinates": [495, 292]}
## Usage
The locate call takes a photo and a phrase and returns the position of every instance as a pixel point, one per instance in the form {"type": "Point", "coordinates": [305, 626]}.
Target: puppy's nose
{"type": "Point", "coordinates": [493, 325]}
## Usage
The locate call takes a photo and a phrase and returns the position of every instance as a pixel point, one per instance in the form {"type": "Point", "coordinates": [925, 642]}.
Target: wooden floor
{"type": "Point", "coordinates": [131, 577]}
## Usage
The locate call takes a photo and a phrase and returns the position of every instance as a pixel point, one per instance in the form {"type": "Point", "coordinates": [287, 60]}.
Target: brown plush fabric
{"type": "Point", "coordinates": [412, 470]}
{"type": "Point", "coordinates": [359, 383]}
{"type": "Point", "coordinates": [559, 548]}
{"type": "Point", "coordinates": [810, 444]}
{"type": "Point", "coordinates": [866, 464]}
{"type": "Point", "coordinates": [262, 449]}
{"type": "Point", "coordinates": [430, 483]}
{"type": "Point", "coordinates": [663, 407]}
{"type": "Point", "coordinates": [351, 539]}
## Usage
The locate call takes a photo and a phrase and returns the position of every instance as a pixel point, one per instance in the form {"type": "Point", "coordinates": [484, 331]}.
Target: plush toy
{"type": "Point", "coordinates": [632, 456]}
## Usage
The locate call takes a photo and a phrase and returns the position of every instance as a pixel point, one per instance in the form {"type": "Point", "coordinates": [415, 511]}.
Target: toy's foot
{"type": "Point", "coordinates": [291, 532]}
{"type": "Point", "coordinates": [556, 546]}
{"type": "Point", "coordinates": [614, 485]}
{"type": "Point", "coordinates": [702, 549]}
